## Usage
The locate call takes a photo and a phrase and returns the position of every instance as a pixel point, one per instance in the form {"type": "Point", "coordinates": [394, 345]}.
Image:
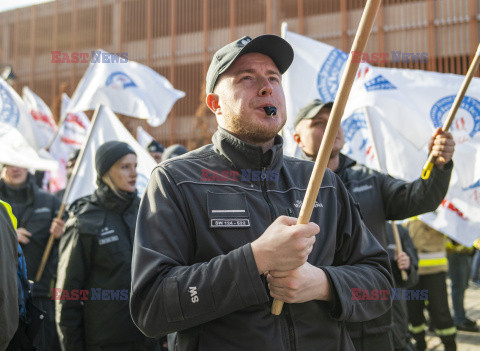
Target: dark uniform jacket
{"type": "Point", "coordinates": [35, 210]}
{"type": "Point", "coordinates": [382, 197]}
{"type": "Point", "coordinates": [193, 267]}
{"type": "Point", "coordinates": [95, 258]}
{"type": "Point", "coordinates": [399, 308]}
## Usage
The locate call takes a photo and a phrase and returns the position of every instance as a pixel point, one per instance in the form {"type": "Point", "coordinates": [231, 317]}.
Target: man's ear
{"type": "Point", "coordinates": [213, 103]}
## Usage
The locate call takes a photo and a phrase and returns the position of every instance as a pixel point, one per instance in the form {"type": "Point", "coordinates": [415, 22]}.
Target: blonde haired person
{"type": "Point", "coordinates": [95, 256]}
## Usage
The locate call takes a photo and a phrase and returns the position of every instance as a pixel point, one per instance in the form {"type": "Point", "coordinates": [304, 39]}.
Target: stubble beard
{"type": "Point", "coordinates": [251, 133]}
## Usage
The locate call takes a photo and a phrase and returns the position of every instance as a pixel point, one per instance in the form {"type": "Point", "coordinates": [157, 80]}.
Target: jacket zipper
{"type": "Point", "coordinates": [286, 308]}
{"type": "Point", "coordinates": [263, 185]}
{"type": "Point", "coordinates": [291, 329]}
{"type": "Point", "coordinates": [288, 317]}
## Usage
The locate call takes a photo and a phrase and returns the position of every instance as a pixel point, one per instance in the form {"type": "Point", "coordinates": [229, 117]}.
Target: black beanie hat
{"type": "Point", "coordinates": [109, 153]}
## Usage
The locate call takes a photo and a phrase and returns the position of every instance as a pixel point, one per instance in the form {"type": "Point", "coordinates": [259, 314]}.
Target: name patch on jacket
{"type": "Point", "coordinates": [42, 210]}
{"type": "Point", "coordinates": [106, 236]}
{"type": "Point", "coordinates": [361, 188]}
{"type": "Point", "coordinates": [228, 210]}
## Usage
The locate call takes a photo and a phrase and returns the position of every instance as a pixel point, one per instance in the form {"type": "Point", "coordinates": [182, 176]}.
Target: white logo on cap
{"type": "Point", "coordinates": [245, 41]}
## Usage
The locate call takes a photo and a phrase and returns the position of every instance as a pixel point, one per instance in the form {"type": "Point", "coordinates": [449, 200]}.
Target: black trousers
{"type": "Point", "coordinates": [437, 306]}
{"type": "Point", "coordinates": [47, 337]}
{"type": "Point", "coordinates": [378, 342]}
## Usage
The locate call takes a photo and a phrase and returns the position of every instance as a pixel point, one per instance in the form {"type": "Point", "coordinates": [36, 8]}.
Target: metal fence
{"type": "Point", "coordinates": [178, 37]}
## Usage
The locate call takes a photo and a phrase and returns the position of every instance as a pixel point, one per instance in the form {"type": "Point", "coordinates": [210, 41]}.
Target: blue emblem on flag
{"type": "Point", "coordinates": [470, 119]}
{"type": "Point", "coordinates": [379, 83]}
{"type": "Point", "coordinates": [351, 126]}
{"type": "Point", "coordinates": [9, 112]}
{"type": "Point", "coordinates": [473, 186]}
{"type": "Point", "coordinates": [119, 81]}
{"type": "Point", "coordinates": [329, 75]}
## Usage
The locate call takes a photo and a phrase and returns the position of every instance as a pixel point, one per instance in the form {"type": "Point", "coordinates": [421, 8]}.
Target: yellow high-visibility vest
{"type": "Point", "coordinates": [10, 213]}
{"type": "Point", "coordinates": [430, 259]}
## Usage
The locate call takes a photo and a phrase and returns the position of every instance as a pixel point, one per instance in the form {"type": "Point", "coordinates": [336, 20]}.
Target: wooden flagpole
{"type": "Point", "coordinates": [51, 239]}
{"type": "Point", "coordinates": [427, 168]}
{"type": "Point", "coordinates": [359, 43]}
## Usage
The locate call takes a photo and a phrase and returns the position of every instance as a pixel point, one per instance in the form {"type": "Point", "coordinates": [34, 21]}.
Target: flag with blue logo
{"type": "Point", "coordinates": [388, 121]}
{"type": "Point", "coordinates": [105, 127]}
{"type": "Point", "coordinates": [14, 112]}
{"type": "Point", "coordinates": [127, 87]}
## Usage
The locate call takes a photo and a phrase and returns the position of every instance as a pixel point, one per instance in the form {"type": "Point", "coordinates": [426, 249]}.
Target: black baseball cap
{"type": "Point", "coordinates": [311, 110]}
{"type": "Point", "coordinates": [155, 146]}
{"type": "Point", "coordinates": [278, 49]}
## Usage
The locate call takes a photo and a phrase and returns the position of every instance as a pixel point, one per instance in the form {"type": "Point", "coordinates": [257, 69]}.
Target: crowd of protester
{"type": "Point", "coordinates": [201, 261]}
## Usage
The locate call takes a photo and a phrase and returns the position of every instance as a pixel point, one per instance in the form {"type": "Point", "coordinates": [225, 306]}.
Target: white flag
{"type": "Point", "coordinates": [40, 112]}
{"type": "Point", "coordinates": [16, 151]}
{"type": "Point", "coordinates": [404, 107]}
{"type": "Point", "coordinates": [106, 127]}
{"type": "Point", "coordinates": [126, 87]}
{"type": "Point", "coordinates": [143, 137]}
{"type": "Point", "coordinates": [14, 112]}
{"type": "Point", "coordinates": [71, 136]}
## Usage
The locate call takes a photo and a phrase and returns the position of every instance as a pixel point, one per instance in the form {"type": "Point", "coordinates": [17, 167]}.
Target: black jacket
{"type": "Point", "coordinates": [35, 209]}
{"type": "Point", "coordinates": [399, 308]}
{"type": "Point", "coordinates": [193, 267]}
{"type": "Point", "coordinates": [95, 256]}
{"type": "Point", "coordinates": [382, 197]}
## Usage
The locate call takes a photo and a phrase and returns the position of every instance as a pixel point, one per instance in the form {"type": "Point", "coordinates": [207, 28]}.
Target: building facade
{"type": "Point", "coordinates": [177, 38]}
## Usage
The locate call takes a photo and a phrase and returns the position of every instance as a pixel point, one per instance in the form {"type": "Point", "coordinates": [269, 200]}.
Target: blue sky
{"type": "Point", "coordinates": [13, 4]}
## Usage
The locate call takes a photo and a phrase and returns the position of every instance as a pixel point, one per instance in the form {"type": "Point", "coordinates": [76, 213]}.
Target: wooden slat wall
{"type": "Point", "coordinates": [177, 38]}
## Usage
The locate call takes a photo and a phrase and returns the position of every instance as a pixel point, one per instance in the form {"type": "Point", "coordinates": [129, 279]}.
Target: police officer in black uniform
{"type": "Point", "coordinates": [95, 256]}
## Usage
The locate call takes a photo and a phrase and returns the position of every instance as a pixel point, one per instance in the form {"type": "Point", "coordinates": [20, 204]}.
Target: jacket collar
{"type": "Point", "coordinates": [345, 162]}
{"type": "Point", "coordinates": [242, 155]}
{"type": "Point", "coordinates": [111, 201]}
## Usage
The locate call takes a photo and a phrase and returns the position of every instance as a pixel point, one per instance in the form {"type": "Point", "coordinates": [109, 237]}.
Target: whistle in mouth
{"type": "Point", "coordinates": [270, 110]}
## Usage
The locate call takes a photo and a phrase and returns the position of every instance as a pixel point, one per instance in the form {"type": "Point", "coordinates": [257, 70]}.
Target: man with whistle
{"type": "Point", "coordinates": [209, 255]}
{"type": "Point", "coordinates": [380, 197]}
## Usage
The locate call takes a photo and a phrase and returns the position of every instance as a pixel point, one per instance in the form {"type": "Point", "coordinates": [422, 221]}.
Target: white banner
{"type": "Point", "coordinates": [40, 112]}
{"type": "Point", "coordinates": [106, 127]}
{"type": "Point", "coordinates": [71, 136]}
{"type": "Point", "coordinates": [403, 108]}
{"type": "Point", "coordinates": [16, 151]}
{"type": "Point", "coordinates": [126, 87]}
{"type": "Point", "coordinates": [14, 112]}
{"type": "Point", "coordinates": [143, 137]}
